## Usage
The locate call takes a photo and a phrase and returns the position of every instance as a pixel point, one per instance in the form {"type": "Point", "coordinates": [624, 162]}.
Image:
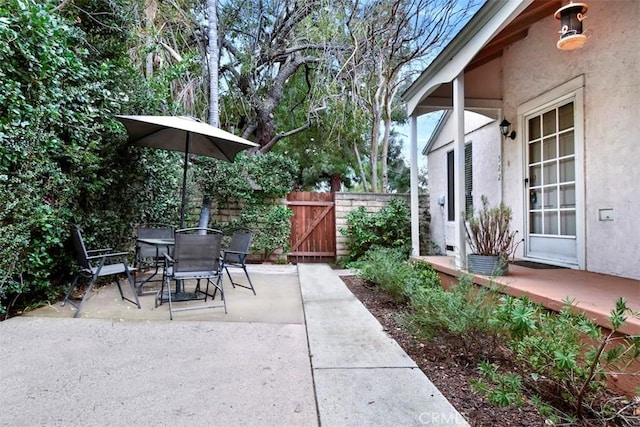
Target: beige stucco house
{"type": "Point", "coordinates": [571, 174]}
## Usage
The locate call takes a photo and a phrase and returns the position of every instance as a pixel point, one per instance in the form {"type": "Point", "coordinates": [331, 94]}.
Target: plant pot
{"type": "Point", "coordinates": [489, 265]}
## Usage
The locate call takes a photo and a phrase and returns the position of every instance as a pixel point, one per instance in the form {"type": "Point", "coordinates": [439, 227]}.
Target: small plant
{"type": "Point", "coordinates": [489, 231]}
{"type": "Point", "coordinates": [502, 389]}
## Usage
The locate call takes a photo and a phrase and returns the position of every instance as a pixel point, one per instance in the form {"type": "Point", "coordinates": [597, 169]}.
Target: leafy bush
{"type": "Point", "coordinates": [502, 389]}
{"type": "Point", "coordinates": [566, 354]}
{"type": "Point", "coordinates": [62, 158]}
{"type": "Point", "coordinates": [462, 310]}
{"type": "Point", "coordinates": [388, 269]}
{"type": "Point", "coordinates": [271, 227]}
{"type": "Point", "coordinates": [254, 182]}
{"type": "Point", "coordinates": [390, 227]}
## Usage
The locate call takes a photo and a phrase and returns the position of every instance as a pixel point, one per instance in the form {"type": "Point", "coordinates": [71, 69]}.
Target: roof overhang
{"type": "Point", "coordinates": [476, 51]}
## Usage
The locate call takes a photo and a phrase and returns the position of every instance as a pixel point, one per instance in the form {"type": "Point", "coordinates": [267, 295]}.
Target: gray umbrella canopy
{"type": "Point", "coordinates": [184, 134]}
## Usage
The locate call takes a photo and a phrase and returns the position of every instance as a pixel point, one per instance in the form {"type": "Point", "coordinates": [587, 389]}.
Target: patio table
{"type": "Point", "coordinates": [158, 243]}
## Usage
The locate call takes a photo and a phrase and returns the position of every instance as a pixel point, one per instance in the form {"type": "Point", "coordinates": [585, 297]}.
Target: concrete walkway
{"type": "Point", "coordinates": [303, 352]}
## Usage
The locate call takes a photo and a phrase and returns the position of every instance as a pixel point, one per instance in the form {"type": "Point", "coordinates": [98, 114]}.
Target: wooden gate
{"type": "Point", "coordinates": [313, 227]}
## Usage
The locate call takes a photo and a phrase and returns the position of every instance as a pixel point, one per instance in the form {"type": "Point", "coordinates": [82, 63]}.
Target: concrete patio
{"type": "Point", "coordinates": [304, 351]}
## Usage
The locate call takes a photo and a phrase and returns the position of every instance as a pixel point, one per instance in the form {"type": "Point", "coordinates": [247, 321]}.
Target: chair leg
{"type": "Point", "coordinates": [246, 273]}
{"type": "Point", "coordinates": [234, 284]}
{"type": "Point", "coordinates": [94, 279]}
{"type": "Point", "coordinates": [219, 285]}
{"type": "Point", "coordinates": [132, 286]}
{"type": "Point", "coordinates": [170, 303]}
{"type": "Point", "coordinates": [133, 290]}
{"type": "Point", "coordinates": [229, 275]}
{"type": "Point", "coordinates": [71, 288]}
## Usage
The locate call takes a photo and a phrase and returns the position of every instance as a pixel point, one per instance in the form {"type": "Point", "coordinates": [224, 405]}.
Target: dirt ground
{"type": "Point", "coordinates": [444, 361]}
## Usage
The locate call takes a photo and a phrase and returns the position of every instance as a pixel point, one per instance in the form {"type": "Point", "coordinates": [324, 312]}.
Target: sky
{"type": "Point", "coordinates": [428, 122]}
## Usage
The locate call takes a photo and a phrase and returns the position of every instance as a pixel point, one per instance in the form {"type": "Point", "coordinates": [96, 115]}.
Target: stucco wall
{"type": "Point", "coordinates": [610, 64]}
{"type": "Point", "coordinates": [486, 148]}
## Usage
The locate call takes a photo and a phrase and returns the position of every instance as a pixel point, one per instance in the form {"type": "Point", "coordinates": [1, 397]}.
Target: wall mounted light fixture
{"type": "Point", "coordinates": [505, 129]}
{"type": "Point", "coordinates": [571, 17]}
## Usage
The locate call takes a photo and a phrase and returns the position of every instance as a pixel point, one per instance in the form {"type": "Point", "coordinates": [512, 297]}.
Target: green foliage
{"type": "Point", "coordinates": [62, 159]}
{"type": "Point", "coordinates": [463, 310]}
{"type": "Point", "coordinates": [271, 227]}
{"type": "Point", "coordinates": [388, 269]}
{"type": "Point", "coordinates": [389, 227]}
{"type": "Point", "coordinates": [254, 182]}
{"type": "Point", "coordinates": [502, 389]}
{"type": "Point", "coordinates": [250, 178]}
{"type": "Point", "coordinates": [567, 355]}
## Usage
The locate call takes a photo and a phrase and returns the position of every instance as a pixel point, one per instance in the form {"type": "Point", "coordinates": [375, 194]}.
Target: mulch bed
{"type": "Point", "coordinates": [446, 362]}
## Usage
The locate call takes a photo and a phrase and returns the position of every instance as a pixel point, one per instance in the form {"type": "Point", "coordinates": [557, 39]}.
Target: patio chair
{"type": "Point", "coordinates": [94, 264]}
{"type": "Point", "coordinates": [196, 256]}
{"type": "Point", "coordinates": [150, 256]}
{"type": "Point", "coordinates": [235, 256]}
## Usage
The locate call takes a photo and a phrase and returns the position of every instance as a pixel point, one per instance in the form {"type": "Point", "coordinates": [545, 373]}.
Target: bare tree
{"type": "Point", "coordinates": [389, 37]}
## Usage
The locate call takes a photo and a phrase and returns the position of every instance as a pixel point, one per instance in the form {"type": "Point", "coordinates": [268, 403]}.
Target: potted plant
{"type": "Point", "coordinates": [490, 238]}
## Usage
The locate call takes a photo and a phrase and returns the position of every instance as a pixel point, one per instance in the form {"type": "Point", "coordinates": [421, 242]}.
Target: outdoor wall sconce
{"type": "Point", "coordinates": [571, 17]}
{"type": "Point", "coordinates": [505, 129]}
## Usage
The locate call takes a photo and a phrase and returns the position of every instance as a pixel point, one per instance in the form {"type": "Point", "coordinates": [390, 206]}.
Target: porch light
{"type": "Point", "coordinates": [571, 17]}
{"type": "Point", "coordinates": [505, 129]}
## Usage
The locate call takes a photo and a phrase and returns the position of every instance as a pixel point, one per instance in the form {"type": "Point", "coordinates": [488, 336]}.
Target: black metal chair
{"type": "Point", "coordinates": [196, 256]}
{"type": "Point", "coordinates": [148, 256]}
{"type": "Point", "coordinates": [94, 264]}
{"type": "Point", "coordinates": [235, 256]}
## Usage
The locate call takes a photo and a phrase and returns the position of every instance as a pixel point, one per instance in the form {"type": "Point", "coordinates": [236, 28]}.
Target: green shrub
{"type": "Point", "coordinates": [462, 310]}
{"type": "Point", "coordinates": [389, 227]}
{"type": "Point", "coordinates": [502, 389]}
{"type": "Point", "coordinates": [271, 227]}
{"type": "Point", "coordinates": [568, 357]}
{"type": "Point", "coordinates": [388, 269]}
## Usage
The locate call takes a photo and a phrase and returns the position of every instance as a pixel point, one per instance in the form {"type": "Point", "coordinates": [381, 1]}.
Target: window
{"type": "Point", "coordinates": [451, 209]}
{"type": "Point", "coordinates": [468, 182]}
{"type": "Point", "coordinates": [468, 179]}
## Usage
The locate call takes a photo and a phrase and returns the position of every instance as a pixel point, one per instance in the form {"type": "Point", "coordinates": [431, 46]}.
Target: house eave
{"type": "Point", "coordinates": [490, 19]}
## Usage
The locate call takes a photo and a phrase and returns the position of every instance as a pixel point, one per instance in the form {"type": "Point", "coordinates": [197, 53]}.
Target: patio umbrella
{"type": "Point", "coordinates": [184, 134]}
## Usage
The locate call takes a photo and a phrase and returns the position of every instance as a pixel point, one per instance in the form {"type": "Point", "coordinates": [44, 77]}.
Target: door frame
{"type": "Point", "coordinates": [573, 90]}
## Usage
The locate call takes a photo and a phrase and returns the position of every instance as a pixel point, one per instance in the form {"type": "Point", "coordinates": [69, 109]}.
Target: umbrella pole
{"type": "Point", "coordinates": [184, 180]}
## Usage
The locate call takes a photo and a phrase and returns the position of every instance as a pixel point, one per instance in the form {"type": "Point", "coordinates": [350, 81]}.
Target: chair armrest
{"type": "Point", "coordinates": [241, 255]}
{"type": "Point", "coordinates": [109, 255]}
{"type": "Point", "coordinates": [235, 252]}
{"type": "Point", "coordinates": [94, 251]}
{"type": "Point", "coordinates": [168, 258]}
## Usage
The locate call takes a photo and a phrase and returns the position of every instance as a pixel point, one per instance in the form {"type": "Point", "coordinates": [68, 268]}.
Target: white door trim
{"type": "Point", "coordinates": [571, 90]}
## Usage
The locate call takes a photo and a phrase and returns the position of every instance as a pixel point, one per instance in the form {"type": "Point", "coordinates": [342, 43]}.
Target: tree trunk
{"type": "Point", "coordinates": [150, 11]}
{"type": "Point", "coordinates": [363, 176]}
{"type": "Point", "coordinates": [213, 55]}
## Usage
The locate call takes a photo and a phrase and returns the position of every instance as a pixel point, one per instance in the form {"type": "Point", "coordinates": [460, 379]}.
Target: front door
{"type": "Point", "coordinates": [552, 184]}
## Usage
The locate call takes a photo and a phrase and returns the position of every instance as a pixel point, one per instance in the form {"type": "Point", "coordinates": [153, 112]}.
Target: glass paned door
{"type": "Point", "coordinates": [551, 170]}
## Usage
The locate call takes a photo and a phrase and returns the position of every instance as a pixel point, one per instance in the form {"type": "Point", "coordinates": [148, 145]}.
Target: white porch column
{"type": "Point", "coordinates": [415, 212]}
{"type": "Point", "coordinates": [458, 160]}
